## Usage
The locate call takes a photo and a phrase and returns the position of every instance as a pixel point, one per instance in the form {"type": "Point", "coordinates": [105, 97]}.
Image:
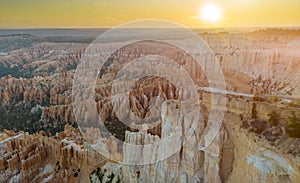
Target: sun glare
{"type": "Point", "coordinates": [210, 13]}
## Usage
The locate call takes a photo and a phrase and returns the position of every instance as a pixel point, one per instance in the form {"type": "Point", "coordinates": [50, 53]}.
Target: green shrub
{"type": "Point", "coordinates": [20, 118]}
{"type": "Point", "coordinates": [258, 99]}
{"type": "Point", "coordinates": [16, 71]}
{"type": "Point", "coordinates": [293, 128]}
{"type": "Point", "coordinates": [253, 111]}
{"type": "Point", "coordinates": [276, 99]}
{"type": "Point", "coordinates": [274, 118]}
{"type": "Point", "coordinates": [294, 105]}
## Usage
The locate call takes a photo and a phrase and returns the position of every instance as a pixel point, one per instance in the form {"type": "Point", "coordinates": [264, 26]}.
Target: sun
{"type": "Point", "coordinates": [210, 13]}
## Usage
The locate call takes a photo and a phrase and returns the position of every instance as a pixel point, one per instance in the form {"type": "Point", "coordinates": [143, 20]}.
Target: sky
{"type": "Point", "coordinates": [111, 13]}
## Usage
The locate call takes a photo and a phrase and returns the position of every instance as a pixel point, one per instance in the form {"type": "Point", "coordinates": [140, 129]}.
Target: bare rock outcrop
{"type": "Point", "coordinates": [36, 158]}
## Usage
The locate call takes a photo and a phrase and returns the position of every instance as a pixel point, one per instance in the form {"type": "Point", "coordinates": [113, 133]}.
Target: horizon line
{"type": "Point", "coordinates": [213, 27]}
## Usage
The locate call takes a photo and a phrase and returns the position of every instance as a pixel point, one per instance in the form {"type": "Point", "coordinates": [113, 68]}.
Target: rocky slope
{"type": "Point", "coordinates": [257, 142]}
{"type": "Point", "coordinates": [262, 63]}
{"type": "Point", "coordinates": [235, 154]}
{"type": "Point", "coordinates": [268, 59]}
{"type": "Point", "coordinates": [38, 158]}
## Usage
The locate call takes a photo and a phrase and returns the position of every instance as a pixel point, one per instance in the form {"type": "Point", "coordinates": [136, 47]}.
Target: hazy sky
{"type": "Point", "coordinates": [109, 13]}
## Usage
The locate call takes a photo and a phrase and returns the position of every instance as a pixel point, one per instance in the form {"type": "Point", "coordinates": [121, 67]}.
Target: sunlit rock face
{"type": "Point", "coordinates": [266, 62]}
{"type": "Point", "coordinates": [259, 162]}
{"type": "Point", "coordinates": [234, 152]}
{"type": "Point", "coordinates": [167, 158]}
{"type": "Point", "coordinates": [38, 158]}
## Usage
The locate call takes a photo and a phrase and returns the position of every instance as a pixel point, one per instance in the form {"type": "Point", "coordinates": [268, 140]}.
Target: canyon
{"type": "Point", "coordinates": [153, 132]}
